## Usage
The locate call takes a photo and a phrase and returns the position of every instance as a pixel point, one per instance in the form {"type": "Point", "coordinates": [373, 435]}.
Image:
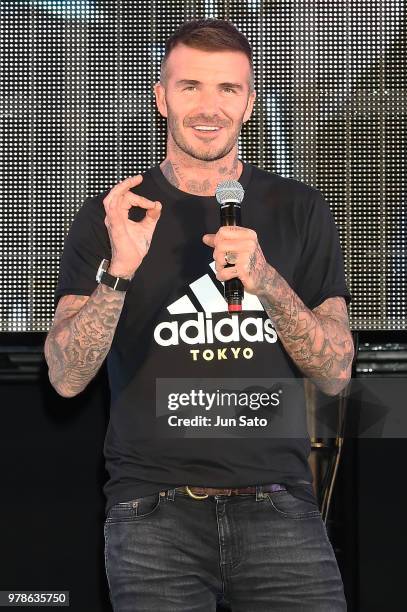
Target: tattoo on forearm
{"type": "Point", "coordinates": [320, 345]}
{"type": "Point", "coordinates": [77, 346]}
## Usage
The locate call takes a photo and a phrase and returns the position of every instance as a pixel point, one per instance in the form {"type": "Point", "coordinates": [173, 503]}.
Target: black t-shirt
{"type": "Point", "coordinates": [175, 325]}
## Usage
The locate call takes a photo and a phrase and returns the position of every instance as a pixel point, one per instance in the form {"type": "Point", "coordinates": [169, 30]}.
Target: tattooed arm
{"type": "Point", "coordinates": [319, 341]}
{"type": "Point", "coordinates": [81, 336]}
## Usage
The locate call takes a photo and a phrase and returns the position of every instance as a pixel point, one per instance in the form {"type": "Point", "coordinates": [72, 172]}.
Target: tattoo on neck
{"type": "Point", "coordinates": [197, 187]}
{"type": "Point", "coordinates": [169, 173]}
{"type": "Point", "coordinates": [232, 171]}
{"type": "Point", "coordinates": [174, 174]}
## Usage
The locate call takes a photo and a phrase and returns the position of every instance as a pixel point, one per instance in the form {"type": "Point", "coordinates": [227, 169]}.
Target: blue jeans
{"type": "Point", "coordinates": [267, 551]}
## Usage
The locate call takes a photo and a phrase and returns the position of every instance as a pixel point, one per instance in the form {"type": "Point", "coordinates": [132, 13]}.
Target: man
{"type": "Point", "coordinates": [204, 502]}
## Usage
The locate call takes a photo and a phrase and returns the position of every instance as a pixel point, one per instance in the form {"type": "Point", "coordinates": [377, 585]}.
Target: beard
{"type": "Point", "coordinates": [203, 151]}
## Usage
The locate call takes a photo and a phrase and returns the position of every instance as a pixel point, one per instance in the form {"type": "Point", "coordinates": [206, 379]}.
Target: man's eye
{"type": "Point", "coordinates": [194, 86]}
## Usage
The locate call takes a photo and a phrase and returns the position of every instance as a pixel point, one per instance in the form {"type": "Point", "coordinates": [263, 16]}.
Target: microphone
{"type": "Point", "coordinates": [230, 194]}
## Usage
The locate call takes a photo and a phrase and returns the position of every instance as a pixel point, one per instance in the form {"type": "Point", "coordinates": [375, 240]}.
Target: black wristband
{"type": "Point", "coordinates": [115, 282]}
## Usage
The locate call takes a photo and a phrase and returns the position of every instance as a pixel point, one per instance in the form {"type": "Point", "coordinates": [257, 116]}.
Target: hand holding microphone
{"type": "Point", "coordinates": [246, 267]}
{"type": "Point", "coordinates": [230, 194]}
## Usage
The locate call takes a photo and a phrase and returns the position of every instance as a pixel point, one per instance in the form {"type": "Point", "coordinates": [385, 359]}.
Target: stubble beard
{"type": "Point", "coordinates": [202, 152]}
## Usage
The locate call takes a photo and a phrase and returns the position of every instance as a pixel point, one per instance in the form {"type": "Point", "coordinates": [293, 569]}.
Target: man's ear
{"type": "Point", "coordinates": [249, 107]}
{"type": "Point", "coordinates": [160, 98]}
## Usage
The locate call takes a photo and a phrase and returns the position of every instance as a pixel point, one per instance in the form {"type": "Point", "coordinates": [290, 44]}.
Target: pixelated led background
{"type": "Point", "coordinates": [78, 115]}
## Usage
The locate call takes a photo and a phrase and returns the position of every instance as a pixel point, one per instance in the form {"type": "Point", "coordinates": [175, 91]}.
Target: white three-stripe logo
{"type": "Point", "coordinates": [210, 298]}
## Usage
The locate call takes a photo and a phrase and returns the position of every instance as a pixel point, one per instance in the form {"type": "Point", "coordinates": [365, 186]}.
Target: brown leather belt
{"type": "Point", "coordinates": [204, 492]}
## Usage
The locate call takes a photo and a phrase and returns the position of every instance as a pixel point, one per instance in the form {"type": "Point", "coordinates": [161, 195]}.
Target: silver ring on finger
{"type": "Point", "coordinates": [230, 257]}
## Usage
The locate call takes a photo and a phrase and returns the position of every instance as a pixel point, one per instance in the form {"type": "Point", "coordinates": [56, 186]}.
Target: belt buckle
{"type": "Point", "coordinates": [193, 495]}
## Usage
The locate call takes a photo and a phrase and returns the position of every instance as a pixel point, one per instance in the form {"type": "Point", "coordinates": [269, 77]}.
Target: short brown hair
{"type": "Point", "coordinates": [208, 35]}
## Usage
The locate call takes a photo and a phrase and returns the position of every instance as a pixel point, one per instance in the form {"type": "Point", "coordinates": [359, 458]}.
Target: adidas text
{"type": "Point", "coordinates": [202, 331]}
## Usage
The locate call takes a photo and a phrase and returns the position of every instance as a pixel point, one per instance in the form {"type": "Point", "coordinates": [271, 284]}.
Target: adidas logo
{"type": "Point", "coordinates": [201, 330]}
{"type": "Point", "coordinates": [210, 298]}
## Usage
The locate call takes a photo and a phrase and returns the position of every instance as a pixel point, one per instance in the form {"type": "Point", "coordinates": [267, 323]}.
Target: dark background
{"type": "Point", "coordinates": [52, 504]}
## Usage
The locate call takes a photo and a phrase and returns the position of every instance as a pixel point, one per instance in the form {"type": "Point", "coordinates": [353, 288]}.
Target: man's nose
{"type": "Point", "coordinates": [208, 101]}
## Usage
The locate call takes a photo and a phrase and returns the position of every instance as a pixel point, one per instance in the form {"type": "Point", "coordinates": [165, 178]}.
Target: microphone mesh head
{"type": "Point", "coordinates": [229, 191]}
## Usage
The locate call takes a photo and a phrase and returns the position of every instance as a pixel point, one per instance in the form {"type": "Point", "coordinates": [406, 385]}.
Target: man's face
{"type": "Point", "coordinates": [208, 101]}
